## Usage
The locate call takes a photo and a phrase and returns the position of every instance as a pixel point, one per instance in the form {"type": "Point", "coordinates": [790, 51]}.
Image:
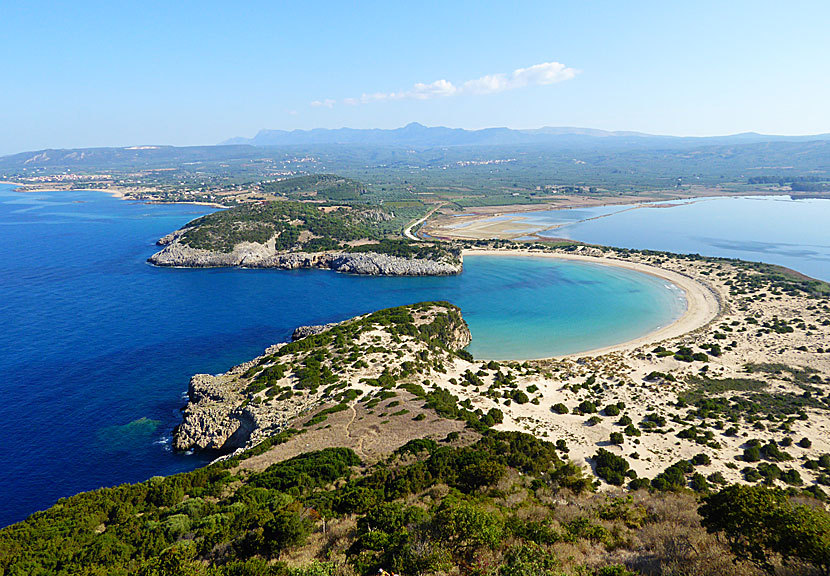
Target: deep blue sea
{"type": "Point", "coordinates": [97, 347]}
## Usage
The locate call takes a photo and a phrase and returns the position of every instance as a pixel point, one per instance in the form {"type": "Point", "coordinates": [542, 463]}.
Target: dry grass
{"type": "Point", "coordinates": [370, 434]}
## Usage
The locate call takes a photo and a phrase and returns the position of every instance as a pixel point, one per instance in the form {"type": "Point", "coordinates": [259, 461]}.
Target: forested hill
{"type": "Point", "coordinates": [289, 234]}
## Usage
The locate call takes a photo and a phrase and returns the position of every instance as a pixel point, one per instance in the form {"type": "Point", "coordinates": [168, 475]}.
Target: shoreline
{"type": "Point", "coordinates": [702, 303]}
{"type": "Point", "coordinates": [114, 192]}
{"type": "Point", "coordinates": [474, 226]}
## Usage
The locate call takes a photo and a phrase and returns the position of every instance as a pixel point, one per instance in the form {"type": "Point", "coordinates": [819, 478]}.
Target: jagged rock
{"type": "Point", "coordinates": [168, 239]}
{"type": "Point", "coordinates": [254, 255]}
{"type": "Point", "coordinates": [305, 331]}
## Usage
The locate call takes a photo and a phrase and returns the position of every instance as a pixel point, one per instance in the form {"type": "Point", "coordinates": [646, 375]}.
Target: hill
{"type": "Point", "coordinates": [132, 157]}
{"type": "Point", "coordinates": [316, 186]}
{"type": "Point", "coordinates": [289, 234]}
{"type": "Point", "coordinates": [417, 166]}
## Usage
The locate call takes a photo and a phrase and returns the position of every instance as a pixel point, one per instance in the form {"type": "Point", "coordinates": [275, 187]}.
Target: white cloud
{"type": "Point", "coordinates": [536, 75]}
{"type": "Point", "coordinates": [542, 74]}
{"type": "Point", "coordinates": [327, 103]}
{"type": "Point", "coordinates": [434, 90]}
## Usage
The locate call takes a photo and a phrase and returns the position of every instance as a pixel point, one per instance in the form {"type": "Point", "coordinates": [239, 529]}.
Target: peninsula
{"type": "Point", "coordinates": [762, 352]}
{"type": "Point", "coordinates": [289, 234]}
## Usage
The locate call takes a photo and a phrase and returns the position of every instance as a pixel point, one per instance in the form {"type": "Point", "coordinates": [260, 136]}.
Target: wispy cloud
{"type": "Point", "coordinates": [327, 103]}
{"type": "Point", "coordinates": [536, 75]}
{"type": "Point", "coordinates": [542, 74]}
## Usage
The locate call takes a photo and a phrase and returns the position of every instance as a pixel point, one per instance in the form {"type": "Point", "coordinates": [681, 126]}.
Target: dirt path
{"type": "Point", "coordinates": [407, 232]}
{"type": "Point", "coordinates": [359, 446]}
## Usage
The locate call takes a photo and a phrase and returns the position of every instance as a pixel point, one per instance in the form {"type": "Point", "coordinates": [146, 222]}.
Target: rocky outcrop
{"type": "Point", "coordinates": [172, 237]}
{"type": "Point", "coordinates": [253, 255]}
{"type": "Point", "coordinates": [239, 408]}
{"type": "Point", "coordinates": [217, 418]}
{"type": "Point", "coordinates": [305, 331]}
{"type": "Point", "coordinates": [209, 418]}
{"type": "Point", "coordinates": [457, 336]}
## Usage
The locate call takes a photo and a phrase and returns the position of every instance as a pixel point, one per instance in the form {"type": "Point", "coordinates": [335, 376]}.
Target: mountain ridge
{"type": "Point", "coordinates": [416, 134]}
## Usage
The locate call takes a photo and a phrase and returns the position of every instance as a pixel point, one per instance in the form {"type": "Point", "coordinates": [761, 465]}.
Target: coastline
{"type": "Point", "coordinates": [114, 192]}
{"type": "Point", "coordinates": [702, 303]}
{"type": "Point", "coordinates": [510, 222]}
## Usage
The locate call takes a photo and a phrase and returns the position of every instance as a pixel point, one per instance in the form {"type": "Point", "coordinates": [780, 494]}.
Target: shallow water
{"type": "Point", "coordinates": [773, 229]}
{"type": "Point", "coordinates": [97, 346]}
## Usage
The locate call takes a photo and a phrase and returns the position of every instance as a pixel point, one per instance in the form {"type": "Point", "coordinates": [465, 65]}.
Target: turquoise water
{"type": "Point", "coordinates": [526, 307]}
{"type": "Point", "coordinates": [97, 347]}
{"type": "Point", "coordinates": [773, 229]}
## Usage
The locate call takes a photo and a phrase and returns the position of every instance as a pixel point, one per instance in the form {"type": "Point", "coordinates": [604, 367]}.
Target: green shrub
{"type": "Point", "coordinates": [586, 407]}
{"type": "Point", "coordinates": [610, 467]}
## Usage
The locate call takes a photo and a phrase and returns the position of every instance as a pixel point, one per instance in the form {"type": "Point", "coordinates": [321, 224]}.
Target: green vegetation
{"type": "Point", "coordinates": [318, 186]}
{"type": "Point", "coordinates": [404, 175]}
{"type": "Point", "coordinates": [306, 227]}
{"type": "Point", "coordinates": [762, 526]}
{"type": "Point", "coordinates": [708, 399]}
{"type": "Point", "coordinates": [221, 231]}
{"type": "Point", "coordinates": [210, 519]}
{"type": "Point", "coordinates": [610, 467]}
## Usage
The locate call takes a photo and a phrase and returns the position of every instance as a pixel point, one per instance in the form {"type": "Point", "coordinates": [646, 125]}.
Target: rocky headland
{"type": "Point", "coordinates": [255, 255]}
{"type": "Point", "coordinates": [335, 363]}
{"type": "Point", "coordinates": [290, 235]}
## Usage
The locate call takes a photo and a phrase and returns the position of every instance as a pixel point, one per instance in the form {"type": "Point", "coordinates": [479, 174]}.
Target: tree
{"type": "Point", "coordinates": [288, 528]}
{"type": "Point", "coordinates": [804, 533]}
{"type": "Point", "coordinates": [744, 515]}
{"type": "Point", "coordinates": [760, 525]}
{"type": "Point", "coordinates": [465, 526]}
{"type": "Point", "coordinates": [610, 467]}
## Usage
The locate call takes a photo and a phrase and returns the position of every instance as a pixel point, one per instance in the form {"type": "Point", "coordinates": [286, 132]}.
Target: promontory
{"type": "Point", "coordinates": [290, 234]}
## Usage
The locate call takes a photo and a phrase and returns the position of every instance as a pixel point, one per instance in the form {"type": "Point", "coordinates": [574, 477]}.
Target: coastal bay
{"type": "Point", "coordinates": [96, 339]}
{"type": "Point", "coordinates": [702, 304]}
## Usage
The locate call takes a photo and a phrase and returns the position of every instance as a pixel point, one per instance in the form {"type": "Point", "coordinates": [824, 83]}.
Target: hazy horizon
{"type": "Point", "coordinates": [230, 140]}
{"type": "Point", "coordinates": [94, 74]}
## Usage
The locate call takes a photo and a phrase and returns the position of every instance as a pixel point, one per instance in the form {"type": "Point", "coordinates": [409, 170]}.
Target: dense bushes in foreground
{"type": "Point", "coordinates": [504, 506]}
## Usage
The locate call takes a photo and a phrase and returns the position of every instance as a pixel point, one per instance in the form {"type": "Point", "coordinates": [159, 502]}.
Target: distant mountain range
{"type": "Point", "coordinates": [345, 148]}
{"type": "Point", "coordinates": [420, 136]}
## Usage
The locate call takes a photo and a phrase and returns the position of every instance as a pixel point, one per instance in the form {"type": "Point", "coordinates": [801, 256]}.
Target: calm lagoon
{"type": "Point", "coordinates": [772, 229]}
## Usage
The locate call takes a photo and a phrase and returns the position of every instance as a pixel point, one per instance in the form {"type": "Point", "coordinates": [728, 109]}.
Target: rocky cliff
{"type": "Point", "coordinates": [335, 363]}
{"type": "Point", "coordinates": [255, 255]}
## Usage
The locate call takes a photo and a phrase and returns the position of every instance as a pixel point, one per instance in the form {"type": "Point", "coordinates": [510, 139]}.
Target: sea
{"type": "Point", "coordinates": [97, 346]}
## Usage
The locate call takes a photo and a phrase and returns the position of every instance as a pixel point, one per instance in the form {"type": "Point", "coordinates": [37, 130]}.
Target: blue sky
{"type": "Point", "coordinates": [77, 74]}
